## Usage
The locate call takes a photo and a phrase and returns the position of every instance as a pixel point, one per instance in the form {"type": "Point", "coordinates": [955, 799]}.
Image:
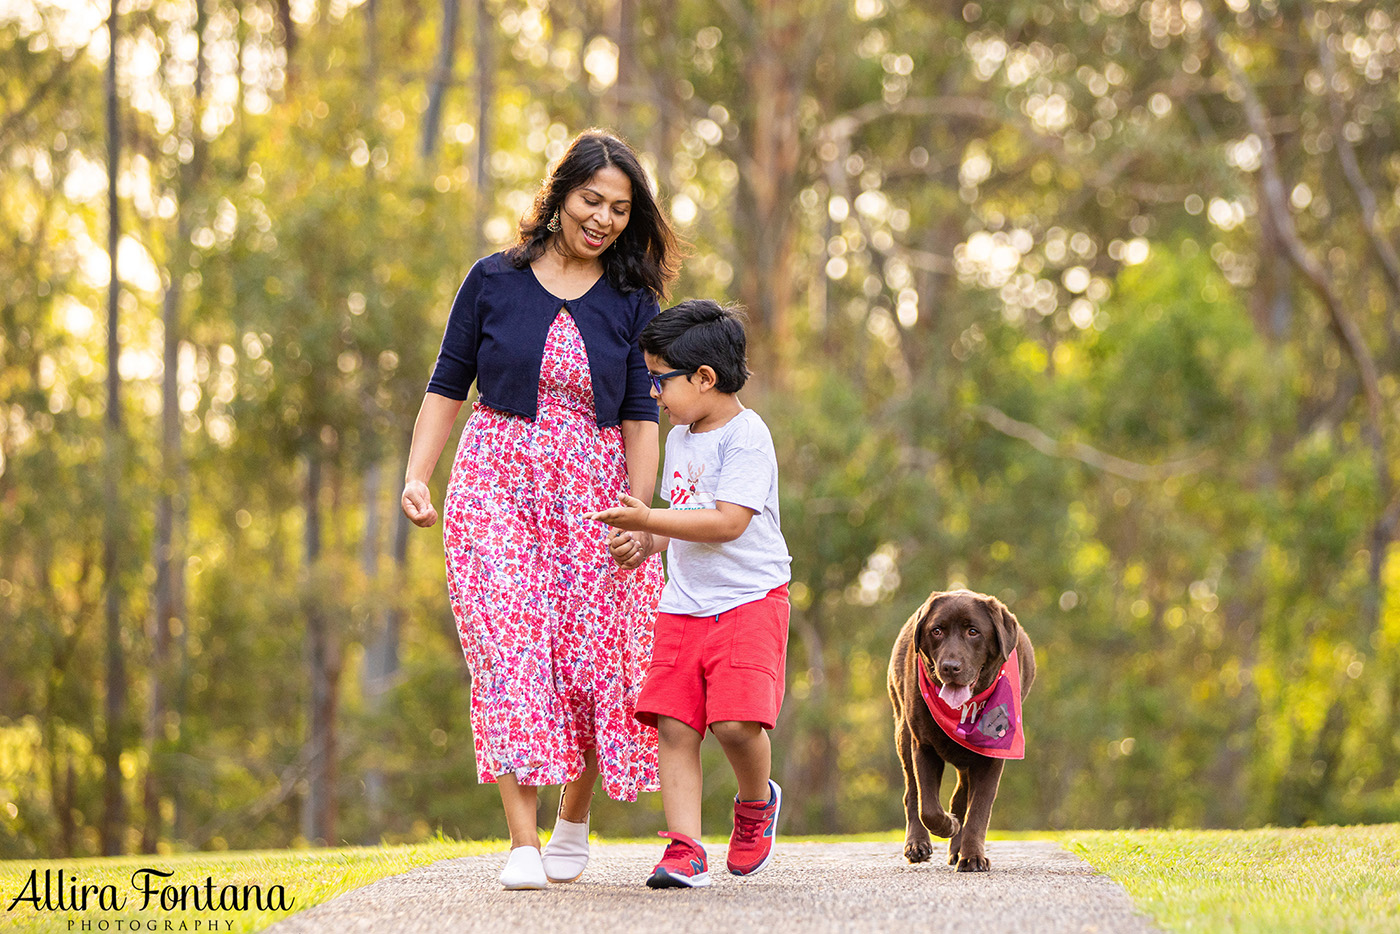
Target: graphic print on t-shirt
{"type": "Point", "coordinates": [685, 489]}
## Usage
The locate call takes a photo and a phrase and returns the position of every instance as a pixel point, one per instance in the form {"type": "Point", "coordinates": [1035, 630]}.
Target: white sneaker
{"type": "Point", "coordinates": [524, 870]}
{"type": "Point", "coordinates": [566, 853]}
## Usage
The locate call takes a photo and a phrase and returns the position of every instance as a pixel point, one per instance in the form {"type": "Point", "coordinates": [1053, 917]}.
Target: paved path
{"type": "Point", "coordinates": [1034, 886]}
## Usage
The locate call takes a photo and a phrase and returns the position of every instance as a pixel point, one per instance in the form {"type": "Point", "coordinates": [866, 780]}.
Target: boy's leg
{"type": "Point", "coordinates": [745, 692]}
{"type": "Point", "coordinates": [673, 699]}
{"type": "Point", "coordinates": [681, 775]}
{"type": "Point", "coordinates": [744, 665]}
{"type": "Point", "coordinates": [750, 754]}
{"type": "Point", "coordinates": [759, 801]}
{"type": "Point", "coordinates": [684, 863]}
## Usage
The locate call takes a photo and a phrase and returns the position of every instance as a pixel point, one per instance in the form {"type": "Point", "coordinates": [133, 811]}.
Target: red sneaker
{"type": "Point", "coordinates": [683, 865]}
{"type": "Point", "coordinates": [755, 830]}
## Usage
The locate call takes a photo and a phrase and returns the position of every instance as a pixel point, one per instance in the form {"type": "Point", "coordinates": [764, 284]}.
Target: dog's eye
{"type": "Point", "coordinates": [972, 630]}
{"type": "Point", "coordinates": [937, 630]}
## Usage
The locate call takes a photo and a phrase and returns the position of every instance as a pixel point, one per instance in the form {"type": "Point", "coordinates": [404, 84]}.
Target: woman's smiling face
{"type": "Point", "coordinates": [595, 214]}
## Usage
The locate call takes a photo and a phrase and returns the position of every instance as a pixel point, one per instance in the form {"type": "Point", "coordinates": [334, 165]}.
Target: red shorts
{"type": "Point", "coordinates": [705, 669]}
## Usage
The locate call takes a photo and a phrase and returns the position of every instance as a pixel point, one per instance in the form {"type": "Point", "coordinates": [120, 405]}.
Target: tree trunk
{"type": "Point", "coordinates": [369, 681]}
{"type": "Point", "coordinates": [1229, 770]}
{"type": "Point", "coordinates": [168, 599]}
{"type": "Point", "coordinates": [610, 109]}
{"type": "Point", "coordinates": [771, 138]}
{"type": "Point", "coordinates": [624, 91]}
{"type": "Point", "coordinates": [289, 39]}
{"type": "Point", "coordinates": [662, 133]}
{"type": "Point", "coordinates": [114, 814]}
{"type": "Point", "coordinates": [441, 78]}
{"type": "Point", "coordinates": [485, 100]}
{"type": "Point", "coordinates": [381, 671]}
{"type": "Point", "coordinates": [812, 765]}
{"type": "Point", "coordinates": [318, 815]}
{"type": "Point", "coordinates": [370, 684]}
{"type": "Point", "coordinates": [372, 51]}
{"type": "Point", "coordinates": [169, 560]}
{"type": "Point", "coordinates": [60, 778]}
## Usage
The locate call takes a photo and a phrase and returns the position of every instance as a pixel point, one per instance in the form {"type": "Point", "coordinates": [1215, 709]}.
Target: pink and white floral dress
{"type": "Point", "coordinates": [556, 635]}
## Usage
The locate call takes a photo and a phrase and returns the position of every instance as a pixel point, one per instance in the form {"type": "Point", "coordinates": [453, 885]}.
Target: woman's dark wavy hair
{"type": "Point", "coordinates": [645, 256]}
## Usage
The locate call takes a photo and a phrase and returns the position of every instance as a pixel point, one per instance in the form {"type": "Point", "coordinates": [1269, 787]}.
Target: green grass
{"type": "Point", "coordinates": [1315, 879]}
{"type": "Point", "coordinates": [1320, 879]}
{"type": "Point", "coordinates": [308, 876]}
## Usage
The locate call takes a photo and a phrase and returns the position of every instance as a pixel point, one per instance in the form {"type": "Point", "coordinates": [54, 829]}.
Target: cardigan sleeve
{"type": "Point", "coordinates": [637, 404]}
{"type": "Point", "coordinates": [456, 363]}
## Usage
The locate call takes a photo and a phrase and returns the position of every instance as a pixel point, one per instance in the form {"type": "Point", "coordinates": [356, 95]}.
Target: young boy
{"type": "Point", "coordinates": [721, 634]}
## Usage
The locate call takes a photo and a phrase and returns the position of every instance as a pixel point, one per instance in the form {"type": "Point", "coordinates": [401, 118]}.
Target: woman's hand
{"type": "Point", "coordinates": [631, 516]}
{"type": "Point", "coordinates": [417, 504]}
{"type": "Point", "coordinates": [629, 549]}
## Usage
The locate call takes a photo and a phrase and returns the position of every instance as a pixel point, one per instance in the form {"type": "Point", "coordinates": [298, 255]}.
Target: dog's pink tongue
{"type": "Point", "coordinates": [955, 695]}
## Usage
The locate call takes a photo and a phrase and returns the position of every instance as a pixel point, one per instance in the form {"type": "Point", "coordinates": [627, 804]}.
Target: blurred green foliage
{"type": "Point", "coordinates": [1024, 319]}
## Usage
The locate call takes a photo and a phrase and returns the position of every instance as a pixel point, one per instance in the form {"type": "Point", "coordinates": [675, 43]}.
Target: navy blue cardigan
{"type": "Point", "coordinates": [497, 330]}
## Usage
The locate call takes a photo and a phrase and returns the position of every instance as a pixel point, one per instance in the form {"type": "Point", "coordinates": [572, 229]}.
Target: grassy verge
{"type": "Point", "coordinates": [1301, 881]}
{"type": "Point", "coordinates": [308, 877]}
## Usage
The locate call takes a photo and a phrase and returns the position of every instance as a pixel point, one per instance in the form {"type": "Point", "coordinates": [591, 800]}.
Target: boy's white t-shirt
{"type": "Point", "coordinates": [734, 463]}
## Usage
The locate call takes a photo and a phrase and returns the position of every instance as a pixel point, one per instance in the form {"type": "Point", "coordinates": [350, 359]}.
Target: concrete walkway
{"type": "Point", "coordinates": [1034, 886]}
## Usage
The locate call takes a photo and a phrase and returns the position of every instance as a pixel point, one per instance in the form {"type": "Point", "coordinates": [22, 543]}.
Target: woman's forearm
{"type": "Point", "coordinates": [640, 440]}
{"type": "Point", "coordinates": [430, 433]}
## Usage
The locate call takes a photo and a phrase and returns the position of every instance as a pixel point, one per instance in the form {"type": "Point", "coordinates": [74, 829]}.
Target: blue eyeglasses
{"type": "Point", "coordinates": [658, 379]}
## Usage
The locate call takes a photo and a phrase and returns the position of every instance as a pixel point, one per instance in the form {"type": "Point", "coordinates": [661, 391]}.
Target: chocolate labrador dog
{"type": "Point", "coordinates": [960, 667]}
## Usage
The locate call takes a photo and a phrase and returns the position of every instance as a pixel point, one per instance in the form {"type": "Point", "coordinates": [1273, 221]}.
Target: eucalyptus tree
{"type": "Point", "coordinates": [53, 373]}
{"type": "Point", "coordinates": [1310, 127]}
{"type": "Point", "coordinates": [924, 195]}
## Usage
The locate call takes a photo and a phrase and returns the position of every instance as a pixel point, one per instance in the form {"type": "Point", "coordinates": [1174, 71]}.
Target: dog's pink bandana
{"type": "Point", "coordinates": [990, 722]}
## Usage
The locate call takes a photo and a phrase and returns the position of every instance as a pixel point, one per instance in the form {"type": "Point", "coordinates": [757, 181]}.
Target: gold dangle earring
{"type": "Point", "coordinates": [554, 226]}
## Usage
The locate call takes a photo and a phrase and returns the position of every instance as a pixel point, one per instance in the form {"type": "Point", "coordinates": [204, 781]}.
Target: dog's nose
{"type": "Point", "coordinates": [949, 669]}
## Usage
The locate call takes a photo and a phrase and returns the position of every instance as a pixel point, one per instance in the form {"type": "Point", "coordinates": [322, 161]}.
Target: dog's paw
{"type": "Point", "coordinates": [918, 851]}
{"type": "Point", "coordinates": [941, 824]}
{"type": "Point", "coordinates": [976, 863]}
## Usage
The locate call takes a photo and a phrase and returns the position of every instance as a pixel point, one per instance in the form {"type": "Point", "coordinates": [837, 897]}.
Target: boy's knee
{"type": "Point", "coordinates": [674, 732]}
{"type": "Point", "coordinates": [735, 732]}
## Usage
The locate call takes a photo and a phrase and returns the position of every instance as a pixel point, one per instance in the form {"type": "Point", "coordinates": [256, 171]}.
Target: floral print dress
{"type": "Point", "coordinates": [556, 635]}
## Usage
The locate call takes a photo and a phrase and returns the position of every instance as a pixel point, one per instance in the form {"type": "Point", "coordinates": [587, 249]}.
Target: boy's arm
{"type": "Point", "coordinates": [724, 523]}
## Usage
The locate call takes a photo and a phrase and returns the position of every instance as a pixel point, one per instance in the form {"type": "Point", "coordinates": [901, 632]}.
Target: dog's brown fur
{"type": "Point", "coordinates": [976, 634]}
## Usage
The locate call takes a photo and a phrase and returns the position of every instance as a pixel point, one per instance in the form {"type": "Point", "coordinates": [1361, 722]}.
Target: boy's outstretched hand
{"type": "Point", "coordinates": [631, 516]}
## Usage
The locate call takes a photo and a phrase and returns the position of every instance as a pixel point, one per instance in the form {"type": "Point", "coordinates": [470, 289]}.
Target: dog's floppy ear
{"type": "Point", "coordinates": [924, 613]}
{"type": "Point", "coordinates": [1005, 626]}
{"type": "Point", "coordinates": [918, 621]}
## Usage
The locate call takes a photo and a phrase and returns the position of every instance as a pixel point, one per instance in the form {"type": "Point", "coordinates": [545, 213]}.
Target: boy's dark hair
{"type": "Point", "coordinates": [701, 332]}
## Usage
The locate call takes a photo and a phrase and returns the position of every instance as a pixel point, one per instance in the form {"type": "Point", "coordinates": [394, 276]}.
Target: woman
{"type": "Point", "coordinates": [556, 635]}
